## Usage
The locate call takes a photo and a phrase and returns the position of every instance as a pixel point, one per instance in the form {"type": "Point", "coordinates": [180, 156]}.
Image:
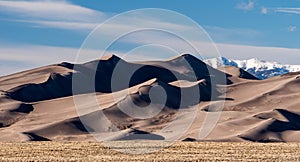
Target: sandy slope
{"type": "Point", "coordinates": [38, 104]}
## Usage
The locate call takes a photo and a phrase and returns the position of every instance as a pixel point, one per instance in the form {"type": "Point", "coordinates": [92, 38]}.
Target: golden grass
{"type": "Point", "coordinates": [180, 151]}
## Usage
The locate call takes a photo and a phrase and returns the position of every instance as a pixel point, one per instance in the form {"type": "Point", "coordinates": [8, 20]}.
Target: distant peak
{"type": "Point", "coordinates": [258, 67]}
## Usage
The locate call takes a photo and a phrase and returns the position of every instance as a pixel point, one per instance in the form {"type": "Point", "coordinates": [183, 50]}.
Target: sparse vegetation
{"type": "Point", "coordinates": [181, 151]}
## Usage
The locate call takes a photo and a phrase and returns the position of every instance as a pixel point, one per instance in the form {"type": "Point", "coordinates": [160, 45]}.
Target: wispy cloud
{"type": "Point", "coordinates": [65, 15]}
{"type": "Point", "coordinates": [193, 44]}
{"type": "Point", "coordinates": [292, 28]}
{"type": "Point", "coordinates": [288, 10]}
{"type": "Point", "coordinates": [61, 24]}
{"type": "Point", "coordinates": [245, 6]}
{"type": "Point", "coordinates": [233, 35]}
{"type": "Point", "coordinates": [264, 10]}
{"type": "Point", "coordinates": [60, 14]}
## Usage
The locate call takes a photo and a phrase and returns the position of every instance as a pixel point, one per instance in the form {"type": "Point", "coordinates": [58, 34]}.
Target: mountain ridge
{"type": "Point", "coordinates": [259, 68]}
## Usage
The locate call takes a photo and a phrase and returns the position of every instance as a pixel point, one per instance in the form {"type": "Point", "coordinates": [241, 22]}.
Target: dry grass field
{"type": "Point", "coordinates": [181, 151]}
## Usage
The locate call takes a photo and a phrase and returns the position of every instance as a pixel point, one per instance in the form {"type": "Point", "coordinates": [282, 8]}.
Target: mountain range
{"type": "Point", "coordinates": [259, 68]}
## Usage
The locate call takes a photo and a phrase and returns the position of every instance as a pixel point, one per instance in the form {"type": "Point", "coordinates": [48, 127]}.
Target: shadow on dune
{"type": "Point", "coordinates": [34, 137]}
{"type": "Point", "coordinates": [189, 139]}
{"type": "Point", "coordinates": [176, 97]}
{"type": "Point", "coordinates": [23, 108]}
{"type": "Point", "coordinates": [56, 86]}
{"type": "Point", "coordinates": [272, 129]}
{"type": "Point", "coordinates": [97, 76]}
{"type": "Point", "coordinates": [9, 117]}
{"type": "Point", "coordinates": [141, 135]}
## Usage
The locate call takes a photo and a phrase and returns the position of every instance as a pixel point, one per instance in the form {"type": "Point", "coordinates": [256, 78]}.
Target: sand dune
{"type": "Point", "coordinates": [114, 71]}
{"type": "Point", "coordinates": [139, 99]}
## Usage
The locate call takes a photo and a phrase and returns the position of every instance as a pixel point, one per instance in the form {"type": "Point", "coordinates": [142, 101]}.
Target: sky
{"type": "Point", "coordinates": [40, 32]}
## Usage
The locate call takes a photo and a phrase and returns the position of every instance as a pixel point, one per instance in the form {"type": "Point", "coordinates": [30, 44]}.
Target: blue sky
{"type": "Point", "coordinates": [39, 32]}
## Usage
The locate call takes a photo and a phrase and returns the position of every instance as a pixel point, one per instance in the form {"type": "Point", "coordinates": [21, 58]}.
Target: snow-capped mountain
{"type": "Point", "coordinates": [259, 68]}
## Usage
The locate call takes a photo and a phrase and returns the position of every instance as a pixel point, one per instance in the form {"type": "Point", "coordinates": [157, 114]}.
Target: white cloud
{"type": "Point", "coordinates": [264, 10]}
{"type": "Point", "coordinates": [288, 10]}
{"type": "Point", "coordinates": [232, 35]}
{"type": "Point", "coordinates": [61, 24]}
{"type": "Point", "coordinates": [50, 10]}
{"type": "Point", "coordinates": [64, 15]}
{"type": "Point", "coordinates": [292, 28]}
{"type": "Point", "coordinates": [245, 6]}
{"type": "Point", "coordinates": [60, 14]}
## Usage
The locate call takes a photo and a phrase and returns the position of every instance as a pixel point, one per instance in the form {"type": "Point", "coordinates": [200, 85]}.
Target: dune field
{"type": "Point", "coordinates": [38, 104]}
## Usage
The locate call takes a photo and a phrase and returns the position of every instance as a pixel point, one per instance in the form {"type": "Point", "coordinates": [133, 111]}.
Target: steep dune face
{"type": "Point", "coordinates": [137, 100]}
{"type": "Point", "coordinates": [56, 86]}
{"type": "Point", "coordinates": [38, 75]}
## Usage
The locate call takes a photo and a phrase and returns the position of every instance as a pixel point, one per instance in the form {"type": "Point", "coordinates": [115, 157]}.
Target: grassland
{"type": "Point", "coordinates": [181, 151]}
